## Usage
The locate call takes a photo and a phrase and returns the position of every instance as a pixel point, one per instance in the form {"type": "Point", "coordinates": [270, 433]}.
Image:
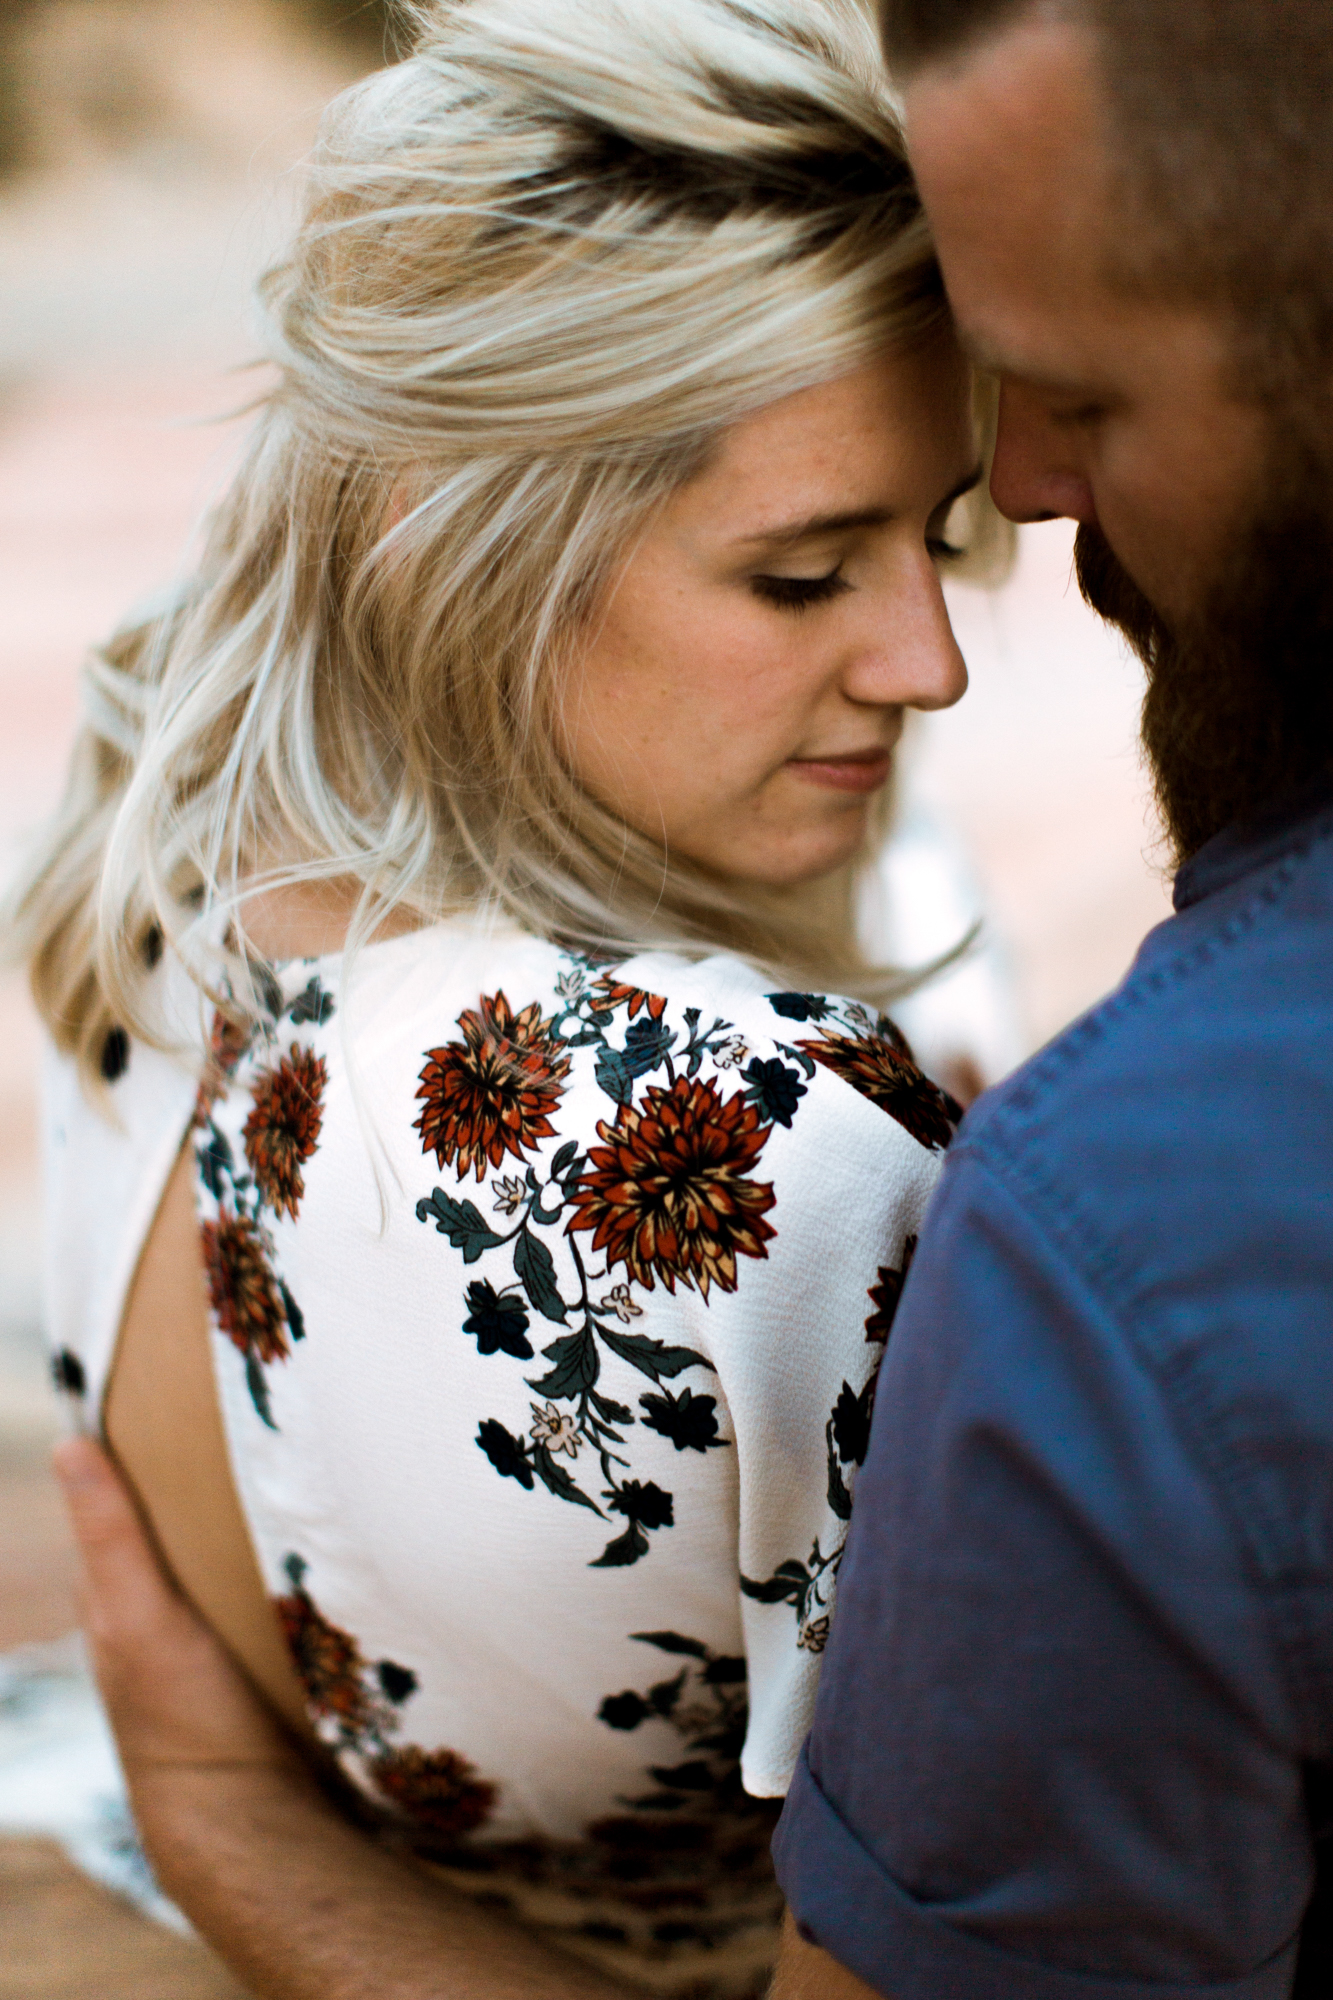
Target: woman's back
{"type": "Point", "coordinates": [547, 1298]}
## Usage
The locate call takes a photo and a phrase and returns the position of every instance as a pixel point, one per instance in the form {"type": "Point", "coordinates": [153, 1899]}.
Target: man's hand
{"type": "Point", "coordinates": [178, 1703]}
{"type": "Point", "coordinates": [804, 1972]}
{"type": "Point", "coordinates": [299, 1903]}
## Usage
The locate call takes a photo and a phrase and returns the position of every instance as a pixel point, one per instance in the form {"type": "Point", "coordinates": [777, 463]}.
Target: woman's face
{"type": "Point", "coordinates": [742, 695]}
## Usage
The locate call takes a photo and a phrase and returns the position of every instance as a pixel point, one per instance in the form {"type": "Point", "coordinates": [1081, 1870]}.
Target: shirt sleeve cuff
{"type": "Point", "coordinates": [844, 1902]}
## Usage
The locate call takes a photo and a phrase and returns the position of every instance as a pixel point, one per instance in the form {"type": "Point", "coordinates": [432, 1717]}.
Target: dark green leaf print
{"type": "Point", "coordinates": [643, 1501]}
{"type": "Point", "coordinates": [851, 1422]}
{"type": "Point", "coordinates": [574, 1366]}
{"type": "Point", "coordinates": [258, 1387]}
{"type": "Point", "coordinates": [647, 1043]}
{"type": "Point", "coordinates": [508, 1454]}
{"type": "Point", "coordinates": [216, 1162]}
{"type": "Point", "coordinates": [68, 1373]}
{"type": "Point", "coordinates": [665, 1694]}
{"type": "Point", "coordinates": [689, 1420]}
{"type": "Point", "coordinates": [651, 1357]}
{"type": "Point", "coordinates": [624, 1550]}
{"type": "Point", "coordinates": [839, 1499]}
{"type": "Point", "coordinates": [623, 1711]}
{"type": "Point", "coordinates": [267, 990]}
{"type": "Point", "coordinates": [672, 1642]}
{"type": "Point", "coordinates": [725, 1671]}
{"type": "Point", "coordinates": [499, 1320]}
{"type": "Point", "coordinates": [535, 1269]}
{"type": "Point", "coordinates": [808, 1587]}
{"type": "Point", "coordinates": [556, 1480]}
{"type": "Point", "coordinates": [313, 1005]}
{"type": "Point", "coordinates": [115, 1055]}
{"type": "Point", "coordinates": [396, 1682]}
{"type": "Point", "coordinates": [798, 1006]}
{"type": "Point", "coordinates": [695, 1776]}
{"type": "Point", "coordinates": [460, 1221]}
{"type": "Point", "coordinates": [295, 1317]}
{"type": "Point", "coordinates": [789, 1584]}
{"type": "Point", "coordinates": [776, 1089]}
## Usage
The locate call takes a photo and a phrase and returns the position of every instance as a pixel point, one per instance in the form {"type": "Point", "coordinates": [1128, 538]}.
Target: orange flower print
{"type": "Point", "coordinates": [241, 1288]}
{"type": "Point", "coordinates": [328, 1661]}
{"type": "Point", "coordinates": [885, 1295]}
{"type": "Point", "coordinates": [439, 1791]}
{"type": "Point", "coordinates": [227, 1043]}
{"type": "Point", "coordinates": [668, 1193]}
{"type": "Point", "coordinates": [492, 1093]}
{"type": "Point", "coordinates": [282, 1130]}
{"type": "Point", "coordinates": [612, 994]}
{"type": "Point", "coordinates": [877, 1065]}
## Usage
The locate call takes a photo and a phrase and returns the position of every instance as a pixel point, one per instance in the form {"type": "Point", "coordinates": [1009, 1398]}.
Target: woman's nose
{"type": "Point", "coordinates": [913, 660]}
{"type": "Point", "coordinates": [1035, 475]}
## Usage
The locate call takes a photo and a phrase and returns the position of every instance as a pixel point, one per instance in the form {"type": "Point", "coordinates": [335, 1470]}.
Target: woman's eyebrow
{"type": "Point", "coordinates": [787, 532]}
{"type": "Point", "coordinates": [816, 524]}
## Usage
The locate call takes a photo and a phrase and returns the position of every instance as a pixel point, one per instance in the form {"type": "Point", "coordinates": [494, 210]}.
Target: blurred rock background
{"type": "Point", "coordinates": [149, 150]}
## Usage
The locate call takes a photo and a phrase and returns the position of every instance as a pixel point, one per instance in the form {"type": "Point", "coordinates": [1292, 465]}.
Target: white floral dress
{"type": "Point", "coordinates": [548, 1297]}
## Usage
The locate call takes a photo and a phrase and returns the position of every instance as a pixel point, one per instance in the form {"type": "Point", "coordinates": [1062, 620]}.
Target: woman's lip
{"type": "Point", "coordinates": [859, 771]}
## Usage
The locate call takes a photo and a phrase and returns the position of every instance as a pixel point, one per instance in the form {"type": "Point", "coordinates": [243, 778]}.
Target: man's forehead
{"type": "Point", "coordinates": [1008, 145]}
{"type": "Point", "coordinates": [1014, 127]}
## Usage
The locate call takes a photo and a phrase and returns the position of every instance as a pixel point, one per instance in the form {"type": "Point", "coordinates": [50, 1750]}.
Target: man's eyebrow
{"type": "Point", "coordinates": [787, 532]}
{"type": "Point", "coordinates": [988, 360]}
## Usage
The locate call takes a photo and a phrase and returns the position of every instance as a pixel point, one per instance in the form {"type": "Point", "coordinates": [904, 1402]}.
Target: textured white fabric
{"type": "Point", "coordinates": [466, 1546]}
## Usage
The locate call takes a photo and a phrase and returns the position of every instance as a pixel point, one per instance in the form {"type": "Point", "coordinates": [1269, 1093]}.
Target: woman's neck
{"type": "Point", "coordinates": [310, 919]}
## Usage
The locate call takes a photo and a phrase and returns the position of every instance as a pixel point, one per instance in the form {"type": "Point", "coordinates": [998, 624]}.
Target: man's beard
{"type": "Point", "coordinates": [1239, 707]}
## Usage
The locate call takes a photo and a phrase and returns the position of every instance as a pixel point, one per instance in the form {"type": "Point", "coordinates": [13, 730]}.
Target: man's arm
{"type": "Point", "coordinates": [1054, 1753]}
{"type": "Point", "coordinates": [299, 1904]}
{"type": "Point", "coordinates": [804, 1972]}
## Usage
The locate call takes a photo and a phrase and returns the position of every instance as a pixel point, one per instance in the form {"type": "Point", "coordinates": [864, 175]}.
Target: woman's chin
{"type": "Point", "coordinates": [787, 863]}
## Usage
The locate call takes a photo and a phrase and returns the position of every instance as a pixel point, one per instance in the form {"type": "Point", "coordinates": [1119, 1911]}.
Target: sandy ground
{"type": "Point", "coordinates": [122, 289]}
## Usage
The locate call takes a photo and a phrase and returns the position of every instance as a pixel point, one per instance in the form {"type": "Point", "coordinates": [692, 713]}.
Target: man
{"type": "Point", "coordinates": [1081, 1678]}
{"type": "Point", "coordinates": [1078, 1700]}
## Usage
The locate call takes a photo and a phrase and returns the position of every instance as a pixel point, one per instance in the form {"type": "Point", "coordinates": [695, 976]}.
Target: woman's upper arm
{"type": "Point", "coordinates": [798, 1349]}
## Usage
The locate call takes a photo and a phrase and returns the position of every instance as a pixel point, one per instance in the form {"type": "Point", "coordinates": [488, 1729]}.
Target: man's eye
{"type": "Point", "coordinates": [1079, 416]}
{"type": "Point", "coordinates": [798, 593]}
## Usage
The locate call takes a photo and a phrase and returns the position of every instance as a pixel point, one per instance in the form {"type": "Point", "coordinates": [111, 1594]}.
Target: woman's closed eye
{"type": "Point", "coordinates": [799, 593]}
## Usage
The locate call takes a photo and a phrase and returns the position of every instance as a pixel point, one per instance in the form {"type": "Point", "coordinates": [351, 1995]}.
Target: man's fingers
{"type": "Point", "coordinates": [126, 1590]}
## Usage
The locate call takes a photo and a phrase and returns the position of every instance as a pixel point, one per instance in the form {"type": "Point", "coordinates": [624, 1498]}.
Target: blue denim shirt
{"type": "Point", "coordinates": [1084, 1633]}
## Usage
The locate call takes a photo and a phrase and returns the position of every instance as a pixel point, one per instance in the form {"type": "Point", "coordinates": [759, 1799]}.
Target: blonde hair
{"type": "Point", "coordinates": [545, 261]}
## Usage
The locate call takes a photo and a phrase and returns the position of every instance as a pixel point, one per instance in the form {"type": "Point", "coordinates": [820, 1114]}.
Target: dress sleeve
{"type": "Point", "coordinates": [1053, 1755]}
{"type": "Point", "coordinates": [854, 1151]}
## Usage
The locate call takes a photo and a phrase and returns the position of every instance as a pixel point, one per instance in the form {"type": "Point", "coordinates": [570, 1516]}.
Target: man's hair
{"type": "Point", "coordinates": [1223, 112]}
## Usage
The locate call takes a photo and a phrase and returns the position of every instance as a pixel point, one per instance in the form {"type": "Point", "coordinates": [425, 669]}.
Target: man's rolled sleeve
{"type": "Point", "coordinates": [1053, 1756]}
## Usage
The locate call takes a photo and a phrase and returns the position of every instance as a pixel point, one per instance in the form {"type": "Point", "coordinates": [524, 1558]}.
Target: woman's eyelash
{"type": "Point", "coordinates": [797, 593]}
{"type": "Point", "coordinates": [943, 551]}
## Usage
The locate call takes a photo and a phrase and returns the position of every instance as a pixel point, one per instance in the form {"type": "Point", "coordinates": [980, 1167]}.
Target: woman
{"type": "Point", "coordinates": [501, 778]}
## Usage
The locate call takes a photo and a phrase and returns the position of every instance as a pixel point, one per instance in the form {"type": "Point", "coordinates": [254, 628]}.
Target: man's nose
{"type": "Point", "coordinates": [1036, 474]}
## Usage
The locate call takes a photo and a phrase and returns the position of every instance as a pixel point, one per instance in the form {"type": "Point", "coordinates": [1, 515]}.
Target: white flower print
{"type": "Point", "coordinates": [621, 1304]}
{"type": "Point", "coordinates": [508, 1194]}
{"type": "Point", "coordinates": [555, 1428]}
{"type": "Point", "coordinates": [732, 1053]}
